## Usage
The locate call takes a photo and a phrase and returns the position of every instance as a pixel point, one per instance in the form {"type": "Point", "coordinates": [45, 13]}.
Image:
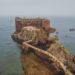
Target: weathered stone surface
{"type": "Point", "coordinates": [35, 60]}
{"type": "Point", "coordinates": [33, 66]}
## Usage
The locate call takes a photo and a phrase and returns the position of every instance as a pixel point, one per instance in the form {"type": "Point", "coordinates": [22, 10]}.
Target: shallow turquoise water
{"type": "Point", "coordinates": [10, 62]}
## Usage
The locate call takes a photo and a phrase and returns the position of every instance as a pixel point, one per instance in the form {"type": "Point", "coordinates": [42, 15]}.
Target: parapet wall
{"type": "Point", "coordinates": [37, 22]}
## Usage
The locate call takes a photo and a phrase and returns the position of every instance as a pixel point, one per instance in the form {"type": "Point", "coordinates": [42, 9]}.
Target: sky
{"type": "Point", "coordinates": [37, 7]}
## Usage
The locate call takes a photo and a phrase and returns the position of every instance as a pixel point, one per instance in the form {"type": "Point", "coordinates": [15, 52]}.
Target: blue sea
{"type": "Point", "coordinates": [10, 53]}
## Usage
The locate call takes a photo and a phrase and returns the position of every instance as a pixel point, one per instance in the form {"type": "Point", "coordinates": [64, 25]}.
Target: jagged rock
{"type": "Point", "coordinates": [33, 66]}
{"type": "Point", "coordinates": [41, 54]}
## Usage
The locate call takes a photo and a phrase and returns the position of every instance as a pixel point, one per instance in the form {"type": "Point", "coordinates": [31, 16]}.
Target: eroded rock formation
{"type": "Point", "coordinates": [41, 54]}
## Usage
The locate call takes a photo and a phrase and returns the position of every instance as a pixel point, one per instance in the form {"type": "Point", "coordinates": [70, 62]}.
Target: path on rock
{"type": "Point", "coordinates": [51, 57]}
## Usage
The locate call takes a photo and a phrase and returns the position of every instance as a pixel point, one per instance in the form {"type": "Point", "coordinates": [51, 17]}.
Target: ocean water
{"type": "Point", "coordinates": [10, 63]}
{"type": "Point", "coordinates": [66, 37]}
{"type": "Point", "coordinates": [10, 53]}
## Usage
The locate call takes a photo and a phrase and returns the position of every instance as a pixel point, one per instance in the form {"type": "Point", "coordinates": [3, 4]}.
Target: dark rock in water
{"type": "Point", "coordinates": [72, 29]}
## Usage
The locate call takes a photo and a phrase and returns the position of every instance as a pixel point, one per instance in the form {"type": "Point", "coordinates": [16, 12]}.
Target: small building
{"type": "Point", "coordinates": [37, 22]}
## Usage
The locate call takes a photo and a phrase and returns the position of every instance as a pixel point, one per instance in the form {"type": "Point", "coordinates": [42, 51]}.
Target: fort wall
{"type": "Point", "coordinates": [37, 22]}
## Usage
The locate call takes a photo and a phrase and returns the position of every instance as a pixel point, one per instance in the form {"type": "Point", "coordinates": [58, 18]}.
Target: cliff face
{"type": "Point", "coordinates": [33, 66]}
{"type": "Point", "coordinates": [41, 54]}
{"type": "Point", "coordinates": [38, 63]}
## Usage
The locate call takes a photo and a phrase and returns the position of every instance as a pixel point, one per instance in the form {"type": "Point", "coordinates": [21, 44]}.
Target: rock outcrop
{"type": "Point", "coordinates": [42, 54]}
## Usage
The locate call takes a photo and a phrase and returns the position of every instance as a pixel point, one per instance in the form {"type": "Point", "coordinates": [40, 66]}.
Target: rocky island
{"type": "Point", "coordinates": [41, 53]}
